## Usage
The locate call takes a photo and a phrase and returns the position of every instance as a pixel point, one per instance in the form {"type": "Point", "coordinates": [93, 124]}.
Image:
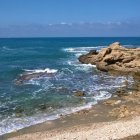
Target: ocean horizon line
{"type": "Point", "coordinates": [69, 37]}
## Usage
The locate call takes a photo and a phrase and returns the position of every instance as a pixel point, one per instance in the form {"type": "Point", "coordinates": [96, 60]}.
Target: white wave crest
{"type": "Point", "coordinates": [80, 66]}
{"type": "Point", "coordinates": [5, 48]}
{"type": "Point", "coordinates": [82, 49]}
{"type": "Point", "coordinates": [47, 70]}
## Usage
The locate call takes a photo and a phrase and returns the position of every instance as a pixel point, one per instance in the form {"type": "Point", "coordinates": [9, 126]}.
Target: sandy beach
{"type": "Point", "coordinates": [99, 131]}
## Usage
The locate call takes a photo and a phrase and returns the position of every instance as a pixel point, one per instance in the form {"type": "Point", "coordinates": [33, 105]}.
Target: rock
{"type": "Point", "coordinates": [121, 93]}
{"type": "Point", "coordinates": [114, 58]}
{"type": "Point", "coordinates": [112, 102]}
{"type": "Point", "coordinates": [93, 52]}
{"type": "Point", "coordinates": [18, 115]}
{"type": "Point", "coordinates": [42, 106]}
{"type": "Point", "coordinates": [79, 93]}
{"type": "Point", "coordinates": [28, 76]}
{"type": "Point", "coordinates": [19, 112]}
{"type": "Point", "coordinates": [118, 102]}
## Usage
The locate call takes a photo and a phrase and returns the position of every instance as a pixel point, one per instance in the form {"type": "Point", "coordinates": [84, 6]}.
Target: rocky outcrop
{"type": "Point", "coordinates": [28, 76]}
{"type": "Point", "coordinates": [114, 58]}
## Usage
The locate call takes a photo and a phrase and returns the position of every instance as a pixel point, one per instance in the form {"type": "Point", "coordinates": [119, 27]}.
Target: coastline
{"type": "Point", "coordinates": [101, 119]}
{"type": "Point", "coordinates": [114, 118]}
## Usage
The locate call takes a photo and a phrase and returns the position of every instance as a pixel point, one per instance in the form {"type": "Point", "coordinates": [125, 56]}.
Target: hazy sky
{"type": "Point", "coordinates": [21, 18]}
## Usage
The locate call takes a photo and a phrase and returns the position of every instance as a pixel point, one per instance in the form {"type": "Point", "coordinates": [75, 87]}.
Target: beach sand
{"type": "Point", "coordinates": [98, 131]}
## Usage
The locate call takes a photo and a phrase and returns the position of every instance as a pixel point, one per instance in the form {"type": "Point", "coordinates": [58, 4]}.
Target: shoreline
{"type": "Point", "coordinates": [114, 118]}
{"type": "Point", "coordinates": [65, 122]}
{"type": "Point", "coordinates": [112, 112]}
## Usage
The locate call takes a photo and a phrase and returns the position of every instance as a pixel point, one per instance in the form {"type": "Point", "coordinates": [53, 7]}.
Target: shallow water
{"type": "Point", "coordinates": [45, 98]}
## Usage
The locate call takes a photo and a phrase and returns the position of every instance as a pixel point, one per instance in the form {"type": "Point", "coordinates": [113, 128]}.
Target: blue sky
{"type": "Point", "coordinates": [23, 18]}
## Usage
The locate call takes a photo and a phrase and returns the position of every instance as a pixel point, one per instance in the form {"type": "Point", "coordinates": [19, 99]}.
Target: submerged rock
{"type": "Point", "coordinates": [42, 106]}
{"type": "Point", "coordinates": [114, 58]}
{"type": "Point", "coordinates": [28, 76]}
{"type": "Point", "coordinates": [19, 112]}
{"type": "Point", "coordinates": [79, 93]}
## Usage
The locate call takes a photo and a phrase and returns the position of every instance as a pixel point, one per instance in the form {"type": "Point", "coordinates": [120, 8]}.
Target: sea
{"type": "Point", "coordinates": [47, 97]}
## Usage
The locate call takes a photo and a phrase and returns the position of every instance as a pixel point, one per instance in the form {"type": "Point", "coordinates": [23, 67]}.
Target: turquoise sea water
{"type": "Point", "coordinates": [45, 98]}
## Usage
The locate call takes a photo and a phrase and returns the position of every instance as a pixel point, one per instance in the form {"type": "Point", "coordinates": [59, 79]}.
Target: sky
{"type": "Point", "coordinates": [69, 18]}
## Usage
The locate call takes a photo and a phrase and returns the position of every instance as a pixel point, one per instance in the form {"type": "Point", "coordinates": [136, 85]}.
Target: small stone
{"type": "Point", "coordinates": [18, 115]}
{"type": "Point", "coordinates": [19, 110]}
{"type": "Point", "coordinates": [61, 115]}
{"type": "Point", "coordinates": [110, 102]}
{"type": "Point", "coordinates": [118, 102]}
{"type": "Point", "coordinates": [121, 92]}
{"type": "Point", "coordinates": [79, 93]}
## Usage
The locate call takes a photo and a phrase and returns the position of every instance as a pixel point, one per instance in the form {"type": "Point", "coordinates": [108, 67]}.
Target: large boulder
{"type": "Point", "coordinates": [114, 58]}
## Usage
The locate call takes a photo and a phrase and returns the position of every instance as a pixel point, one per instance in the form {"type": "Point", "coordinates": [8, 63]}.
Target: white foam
{"type": "Point", "coordinates": [32, 82]}
{"type": "Point", "coordinates": [89, 65]}
{"type": "Point", "coordinates": [77, 64]}
{"type": "Point", "coordinates": [78, 49]}
{"type": "Point", "coordinates": [81, 49]}
{"type": "Point", "coordinates": [103, 95]}
{"type": "Point", "coordinates": [78, 54]}
{"type": "Point", "coordinates": [47, 70]}
{"type": "Point", "coordinates": [6, 48]}
{"type": "Point", "coordinates": [68, 49]}
{"type": "Point", "coordinates": [74, 50]}
{"type": "Point", "coordinates": [128, 45]}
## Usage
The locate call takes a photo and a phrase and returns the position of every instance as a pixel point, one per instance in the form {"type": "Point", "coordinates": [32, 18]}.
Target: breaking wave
{"type": "Point", "coordinates": [47, 70]}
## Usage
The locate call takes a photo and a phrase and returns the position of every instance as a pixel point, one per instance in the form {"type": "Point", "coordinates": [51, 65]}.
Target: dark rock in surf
{"type": "Point", "coordinates": [28, 76]}
{"type": "Point", "coordinates": [42, 106]}
{"type": "Point", "coordinates": [79, 93]}
{"type": "Point", "coordinates": [19, 112]}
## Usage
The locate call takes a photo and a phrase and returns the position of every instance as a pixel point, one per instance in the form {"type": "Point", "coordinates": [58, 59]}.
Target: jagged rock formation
{"type": "Point", "coordinates": [114, 58]}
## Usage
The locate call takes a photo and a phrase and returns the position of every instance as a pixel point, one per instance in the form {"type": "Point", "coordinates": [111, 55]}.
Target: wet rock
{"type": "Point", "coordinates": [112, 102]}
{"type": "Point", "coordinates": [42, 106]}
{"type": "Point", "coordinates": [121, 92]}
{"type": "Point", "coordinates": [28, 76]}
{"type": "Point", "coordinates": [19, 112]}
{"type": "Point", "coordinates": [79, 93]}
{"type": "Point", "coordinates": [114, 58]}
{"type": "Point", "coordinates": [18, 115]}
{"type": "Point", "coordinates": [109, 102]}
